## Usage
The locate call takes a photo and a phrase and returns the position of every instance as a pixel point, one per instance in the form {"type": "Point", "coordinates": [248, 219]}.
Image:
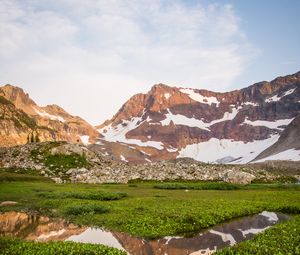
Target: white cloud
{"type": "Point", "coordinates": [91, 56]}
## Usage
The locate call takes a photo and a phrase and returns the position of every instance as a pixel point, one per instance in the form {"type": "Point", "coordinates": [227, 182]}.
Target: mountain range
{"type": "Point", "coordinates": [257, 123]}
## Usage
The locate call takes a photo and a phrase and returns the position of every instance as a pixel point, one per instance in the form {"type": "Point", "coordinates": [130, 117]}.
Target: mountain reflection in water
{"type": "Point", "coordinates": [44, 229]}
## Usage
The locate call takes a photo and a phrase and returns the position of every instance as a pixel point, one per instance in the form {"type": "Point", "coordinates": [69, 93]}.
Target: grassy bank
{"type": "Point", "coordinates": [142, 210]}
{"type": "Point", "coordinates": [9, 246]}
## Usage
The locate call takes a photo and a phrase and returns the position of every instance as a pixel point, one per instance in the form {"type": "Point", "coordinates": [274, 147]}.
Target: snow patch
{"type": "Point", "coordinates": [172, 149]}
{"type": "Point", "coordinates": [167, 95]}
{"type": "Point", "coordinates": [291, 154]}
{"type": "Point", "coordinates": [118, 134]}
{"type": "Point", "coordinates": [227, 116]}
{"type": "Point", "coordinates": [215, 149]}
{"type": "Point", "coordinates": [250, 103]}
{"type": "Point", "coordinates": [277, 98]}
{"type": "Point", "coordinates": [123, 158]}
{"type": "Point", "coordinates": [49, 116]}
{"type": "Point", "coordinates": [179, 119]}
{"type": "Point", "coordinates": [270, 124]}
{"type": "Point", "coordinates": [199, 98]}
{"type": "Point", "coordinates": [85, 139]}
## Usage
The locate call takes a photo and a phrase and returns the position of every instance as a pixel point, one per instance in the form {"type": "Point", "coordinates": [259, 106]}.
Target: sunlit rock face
{"type": "Point", "coordinates": [22, 120]}
{"type": "Point", "coordinates": [231, 127]}
{"type": "Point", "coordinates": [206, 242]}
{"type": "Point", "coordinates": [168, 123]}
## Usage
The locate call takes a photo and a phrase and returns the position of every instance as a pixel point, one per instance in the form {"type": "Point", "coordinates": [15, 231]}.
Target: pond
{"type": "Point", "coordinates": [41, 228]}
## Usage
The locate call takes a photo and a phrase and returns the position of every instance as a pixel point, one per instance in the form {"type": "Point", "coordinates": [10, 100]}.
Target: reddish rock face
{"type": "Point", "coordinates": [177, 117]}
{"type": "Point", "coordinates": [22, 117]}
{"type": "Point", "coordinates": [165, 123]}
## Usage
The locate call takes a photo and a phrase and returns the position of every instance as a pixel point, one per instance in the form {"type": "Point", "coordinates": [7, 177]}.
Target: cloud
{"type": "Point", "coordinates": [91, 56]}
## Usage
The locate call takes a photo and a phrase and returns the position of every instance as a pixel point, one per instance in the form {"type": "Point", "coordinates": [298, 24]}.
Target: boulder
{"type": "Point", "coordinates": [238, 177]}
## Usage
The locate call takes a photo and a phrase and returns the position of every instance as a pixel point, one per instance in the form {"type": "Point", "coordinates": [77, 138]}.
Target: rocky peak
{"type": "Point", "coordinates": [169, 122]}
{"type": "Point", "coordinates": [18, 97]}
{"type": "Point", "coordinates": [24, 117]}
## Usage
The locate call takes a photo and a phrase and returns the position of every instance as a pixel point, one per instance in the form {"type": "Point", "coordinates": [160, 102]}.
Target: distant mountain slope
{"type": "Point", "coordinates": [22, 119]}
{"type": "Point", "coordinates": [235, 127]}
{"type": "Point", "coordinates": [287, 146]}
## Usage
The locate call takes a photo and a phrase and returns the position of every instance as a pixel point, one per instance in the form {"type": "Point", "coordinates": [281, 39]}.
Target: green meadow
{"type": "Point", "coordinates": [151, 209]}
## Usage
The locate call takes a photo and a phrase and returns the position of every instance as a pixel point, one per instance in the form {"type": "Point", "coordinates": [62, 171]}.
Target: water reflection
{"type": "Point", "coordinates": [206, 242]}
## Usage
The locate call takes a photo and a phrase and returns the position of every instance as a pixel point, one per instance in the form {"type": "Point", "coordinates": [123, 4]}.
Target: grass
{"type": "Point", "coordinates": [282, 239]}
{"type": "Point", "coordinates": [26, 175]}
{"type": "Point", "coordinates": [65, 162]}
{"type": "Point", "coordinates": [58, 163]}
{"type": "Point", "coordinates": [91, 195]}
{"type": "Point", "coordinates": [224, 186]}
{"type": "Point", "coordinates": [84, 209]}
{"type": "Point", "coordinates": [199, 186]}
{"type": "Point", "coordinates": [144, 210]}
{"type": "Point", "coordinates": [10, 246]}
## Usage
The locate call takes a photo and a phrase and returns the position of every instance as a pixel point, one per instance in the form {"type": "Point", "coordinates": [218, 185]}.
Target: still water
{"type": "Point", "coordinates": [40, 228]}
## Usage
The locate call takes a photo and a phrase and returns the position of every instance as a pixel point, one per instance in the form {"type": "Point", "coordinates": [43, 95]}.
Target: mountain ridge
{"type": "Point", "coordinates": [169, 122]}
{"type": "Point", "coordinates": [169, 118]}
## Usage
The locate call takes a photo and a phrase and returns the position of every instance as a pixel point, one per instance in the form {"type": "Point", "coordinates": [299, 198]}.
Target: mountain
{"type": "Point", "coordinates": [287, 147]}
{"type": "Point", "coordinates": [252, 124]}
{"type": "Point", "coordinates": [22, 120]}
{"type": "Point", "coordinates": [231, 127]}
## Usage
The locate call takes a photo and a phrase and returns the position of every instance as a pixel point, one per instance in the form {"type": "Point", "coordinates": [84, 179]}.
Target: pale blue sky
{"type": "Point", "coordinates": [273, 26]}
{"type": "Point", "coordinates": [91, 56]}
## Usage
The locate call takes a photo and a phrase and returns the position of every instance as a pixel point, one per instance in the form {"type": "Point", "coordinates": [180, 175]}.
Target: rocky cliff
{"type": "Point", "coordinates": [235, 127]}
{"type": "Point", "coordinates": [22, 121]}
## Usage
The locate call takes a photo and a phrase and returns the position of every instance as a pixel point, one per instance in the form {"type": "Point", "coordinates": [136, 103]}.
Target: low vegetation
{"type": "Point", "coordinates": [226, 186]}
{"type": "Point", "coordinates": [199, 186]}
{"type": "Point", "coordinates": [65, 162]}
{"type": "Point", "coordinates": [9, 246]}
{"type": "Point", "coordinates": [283, 238]}
{"type": "Point", "coordinates": [90, 195]}
{"type": "Point", "coordinates": [27, 175]}
{"type": "Point", "coordinates": [85, 209]}
{"type": "Point", "coordinates": [144, 210]}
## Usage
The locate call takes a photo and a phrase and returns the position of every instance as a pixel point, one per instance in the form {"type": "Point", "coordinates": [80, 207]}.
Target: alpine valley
{"type": "Point", "coordinates": [254, 124]}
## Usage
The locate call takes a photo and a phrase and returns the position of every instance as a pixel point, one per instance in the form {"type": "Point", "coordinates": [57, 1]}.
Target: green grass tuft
{"type": "Point", "coordinates": [84, 209]}
{"type": "Point", "coordinates": [10, 246]}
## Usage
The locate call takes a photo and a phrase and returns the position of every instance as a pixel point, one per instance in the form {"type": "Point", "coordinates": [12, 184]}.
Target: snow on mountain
{"type": "Point", "coordinates": [200, 98]}
{"type": "Point", "coordinates": [291, 154]}
{"type": "Point", "coordinates": [49, 116]}
{"type": "Point", "coordinates": [118, 134]}
{"type": "Point", "coordinates": [277, 98]}
{"type": "Point", "coordinates": [276, 124]}
{"type": "Point", "coordinates": [85, 139]}
{"type": "Point", "coordinates": [215, 149]}
{"type": "Point", "coordinates": [237, 126]}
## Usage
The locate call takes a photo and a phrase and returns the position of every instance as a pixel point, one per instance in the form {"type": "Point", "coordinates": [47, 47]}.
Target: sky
{"type": "Point", "coordinates": [91, 56]}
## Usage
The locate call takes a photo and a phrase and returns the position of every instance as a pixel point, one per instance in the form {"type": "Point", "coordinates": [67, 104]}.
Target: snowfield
{"type": "Point", "coordinates": [118, 134]}
{"type": "Point", "coordinates": [199, 98]}
{"type": "Point", "coordinates": [270, 124]}
{"type": "Point", "coordinates": [215, 149]}
{"type": "Point", "coordinates": [291, 154]}
{"type": "Point", "coordinates": [49, 116]}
